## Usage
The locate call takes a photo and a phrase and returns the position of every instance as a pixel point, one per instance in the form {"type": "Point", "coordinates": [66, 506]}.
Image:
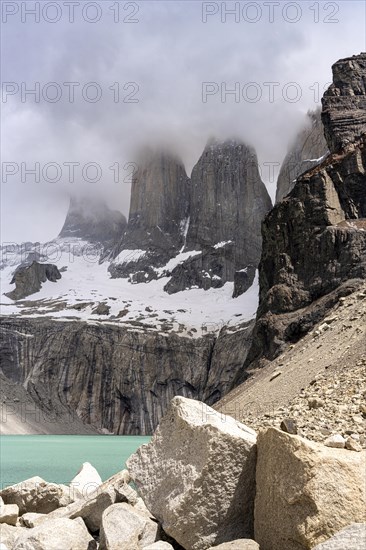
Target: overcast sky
{"type": "Point", "coordinates": [277, 55]}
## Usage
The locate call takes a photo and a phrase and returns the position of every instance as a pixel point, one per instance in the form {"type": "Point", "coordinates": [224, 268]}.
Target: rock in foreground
{"type": "Point", "coordinates": [352, 537]}
{"type": "Point", "coordinates": [91, 507]}
{"type": "Point", "coordinates": [197, 475]}
{"type": "Point", "coordinates": [57, 534]}
{"type": "Point", "coordinates": [306, 492]}
{"type": "Point", "coordinates": [124, 528]}
{"type": "Point", "coordinates": [36, 495]}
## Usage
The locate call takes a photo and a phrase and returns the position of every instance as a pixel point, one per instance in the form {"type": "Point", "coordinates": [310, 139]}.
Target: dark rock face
{"type": "Point", "coordinates": [228, 203]}
{"type": "Point", "coordinates": [117, 378]}
{"type": "Point", "coordinates": [344, 103]}
{"type": "Point", "coordinates": [28, 279]}
{"type": "Point", "coordinates": [158, 213]}
{"type": "Point", "coordinates": [314, 241]}
{"type": "Point", "coordinates": [90, 219]}
{"type": "Point", "coordinates": [306, 152]}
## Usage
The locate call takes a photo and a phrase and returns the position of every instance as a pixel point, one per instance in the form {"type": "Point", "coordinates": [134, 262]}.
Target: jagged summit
{"type": "Point", "coordinates": [314, 241]}
{"type": "Point", "coordinates": [308, 149]}
{"type": "Point", "coordinates": [344, 103]}
{"type": "Point", "coordinates": [90, 219]}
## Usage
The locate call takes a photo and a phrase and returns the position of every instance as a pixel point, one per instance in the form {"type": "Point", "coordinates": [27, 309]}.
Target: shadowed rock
{"type": "Point", "coordinates": [308, 150]}
{"type": "Point", "coordinates": [314, 242]}
{"type": "Point", "coordinates": [344, 103]}
{"type": "Point", "coordinates": [90, 219]}
{"type": "Point", "coordinates": [158, 214]}
{"type": "Point", "coordinates": [228, 203]}
{"type": "Point", "coordinates": [28, 279]}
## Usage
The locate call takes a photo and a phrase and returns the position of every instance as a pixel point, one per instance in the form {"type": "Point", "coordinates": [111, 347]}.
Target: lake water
{"type": "Point", "coordinates": [57, 458]}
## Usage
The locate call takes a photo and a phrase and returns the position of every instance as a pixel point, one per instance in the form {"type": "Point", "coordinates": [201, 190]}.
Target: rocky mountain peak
{"type": "Point", "coordinates": [314, 241]}
{"type": "Point", "coordinates": [159, 209]}
{"type": "Point", "coordinates": [307, 150]}
{"type": "Point", "coordinates": [159, 194]}
{"type": "Point", "coordinates": [90, 219]}
{"type": "Point", "coordinates": [344, 103]}
{"type": "Point", "coordinates": [228, 203]}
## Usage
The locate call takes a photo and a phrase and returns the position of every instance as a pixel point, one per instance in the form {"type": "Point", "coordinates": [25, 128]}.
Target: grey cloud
{"type": "Point", "coordinates": [169, 53]}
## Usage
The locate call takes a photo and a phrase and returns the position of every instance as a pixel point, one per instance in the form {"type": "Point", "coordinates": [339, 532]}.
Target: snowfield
{"type": "Point", "coordinates": [85, 283]}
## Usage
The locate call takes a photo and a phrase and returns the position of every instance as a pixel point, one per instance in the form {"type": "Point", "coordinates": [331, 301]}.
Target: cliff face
{"type": "Point", "coordinates": [115, 378]}
{"type": "Point", "coordinates": [90, 219]}
{"type": "Point", "coordinates": [314, 241]}
{"type": "Point", "coordinates": [208, 226]}
{"type": "Point", "coordinates": [228, 202]}
{"type": "Point", "coordinates": [344, 103]}
{"type": "Point", "coordinates": [308, 150]}
{"type": "Point", "coordinates": [158, 215]}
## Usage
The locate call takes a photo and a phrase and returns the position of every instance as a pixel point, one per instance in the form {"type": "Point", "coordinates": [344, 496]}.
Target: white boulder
{"type": "Point", "coordinates": [86, 480]}
{"type": "Point", "coordinates": [31, 519]}
{"type": "Point", "coordinates": [8, 535]}
{"type": "Point", "coordinates": [8, 513]}
{"type": "Point", "coordinates": [36, 495]}
{"type": "Point", "coordinates": [56, 534]}
{"type": "Point", "coordinates": [91, 507]}
{"type": "Point", "coordinates": [197, 475]}
{"type": "Point", "coordinates": [123, 528]}
{"type": "Point", "coordinates": [352, 537]}
{"type": "Point", "coordinates": [306, 492]}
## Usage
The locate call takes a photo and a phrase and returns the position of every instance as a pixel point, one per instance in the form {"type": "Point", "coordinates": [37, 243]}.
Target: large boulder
{"type": "Point", "coordinates": [306, 492]}
{"type": "Point", "coordinates": [197, 475]}
{"type": "Point", "coordinates": [123, 528]}
{"type": "Point", "coordinates": [8, 535]}
{"type": "Point", "coordinates": [56, 534]}
{"type": "Point", "coordinates": [91, 507]}
{"type": "Point", "coordinates": [9, 513]}
{"type": "Point", "coordinates": [31, 519]}
{"type": "Point", "coordinates": [28, 279]}
{"type": "Point", "coordinates": [352, 537]}
{"type": "Point", "coordinates": [86, 480]}
{"type": "Point", "coordinates": [36, 495]}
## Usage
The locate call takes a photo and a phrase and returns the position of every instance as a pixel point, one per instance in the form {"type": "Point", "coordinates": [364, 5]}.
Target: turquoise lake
{"type": "Point", "coordinates": [57, 458]}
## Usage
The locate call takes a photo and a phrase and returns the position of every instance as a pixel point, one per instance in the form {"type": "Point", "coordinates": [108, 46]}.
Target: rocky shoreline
{"type": "Point", "coordinates": [204, 481]}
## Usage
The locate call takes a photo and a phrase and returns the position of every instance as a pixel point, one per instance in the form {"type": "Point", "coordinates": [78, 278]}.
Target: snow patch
{"type": "Point", "coordinates": [127, 256]}
{"type": "Point", "coordinates": [222, 244]}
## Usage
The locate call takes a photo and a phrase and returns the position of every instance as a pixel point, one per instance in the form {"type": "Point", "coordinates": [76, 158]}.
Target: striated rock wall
{"type": "Point", "coordinates": [344, 103]}
{"type": "Point", "coordinates": [307, 151]}
{"type": "Point", "coordinates": [113, 378]}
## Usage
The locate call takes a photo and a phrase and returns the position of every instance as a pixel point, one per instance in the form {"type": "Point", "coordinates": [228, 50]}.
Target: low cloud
{"type": "Point", "coordinates": [169, 79]}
